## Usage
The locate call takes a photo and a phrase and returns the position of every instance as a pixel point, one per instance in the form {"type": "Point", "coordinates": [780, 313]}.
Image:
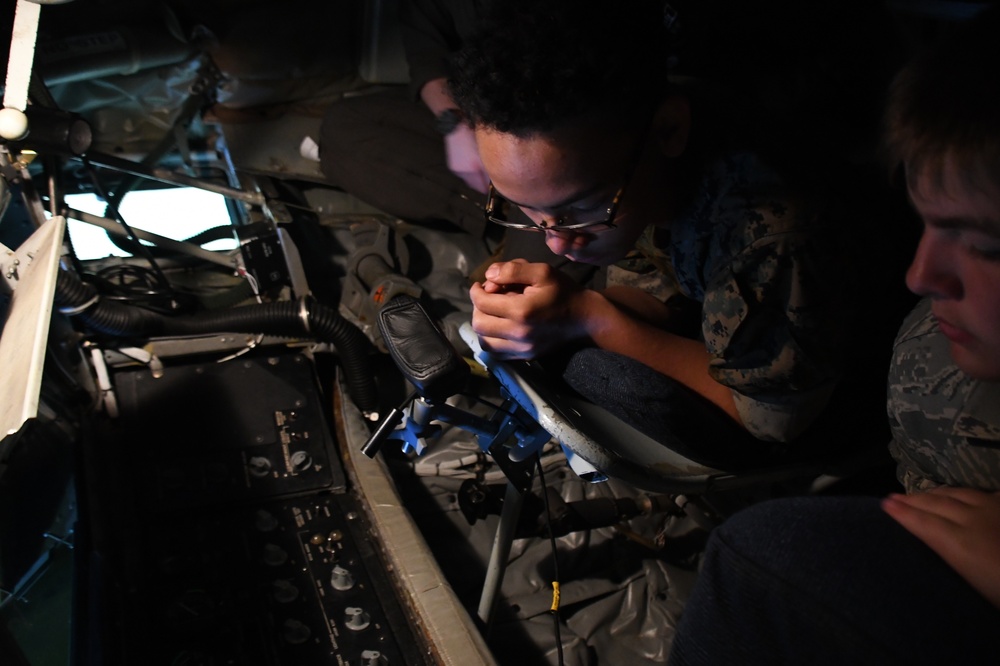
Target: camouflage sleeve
{"type": "Point", "coordinates": [945, 424]}
{"type": "Point", "coordinates": [779, 417]}
{"type": "Point", "coordinates": [773, 325]}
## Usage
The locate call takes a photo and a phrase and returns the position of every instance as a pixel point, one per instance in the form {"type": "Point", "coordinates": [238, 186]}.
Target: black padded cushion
{"type": "Point", "coordinates": [420, 350]}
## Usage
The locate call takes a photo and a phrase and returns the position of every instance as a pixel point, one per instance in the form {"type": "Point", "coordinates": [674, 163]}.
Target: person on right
{"type": "Point", "coordinates": [913, 577]}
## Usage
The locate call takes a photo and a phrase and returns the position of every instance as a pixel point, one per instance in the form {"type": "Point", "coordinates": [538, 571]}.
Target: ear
{"type": "Point", "coordinates": [672, 125]}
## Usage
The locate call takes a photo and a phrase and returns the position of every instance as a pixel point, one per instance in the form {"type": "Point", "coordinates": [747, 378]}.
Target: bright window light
{"type": "Point", "coordinates": [176, 213]}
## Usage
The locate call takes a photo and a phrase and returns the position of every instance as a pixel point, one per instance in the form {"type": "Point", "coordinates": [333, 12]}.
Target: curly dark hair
{"type": "Point", "coordinates": [538, 64]}
{"type": "Point", "coordinates": [945, 105]}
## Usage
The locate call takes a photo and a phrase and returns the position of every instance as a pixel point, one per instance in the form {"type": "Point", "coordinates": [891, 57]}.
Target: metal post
{"type": "Point", "coordinates": [509, 516]}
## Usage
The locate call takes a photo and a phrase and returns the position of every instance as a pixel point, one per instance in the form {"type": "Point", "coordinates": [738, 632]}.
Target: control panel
{"type": "Point", "coordinates": [224, 531]}
{"type": "Point", "coordinates": [289, 582]}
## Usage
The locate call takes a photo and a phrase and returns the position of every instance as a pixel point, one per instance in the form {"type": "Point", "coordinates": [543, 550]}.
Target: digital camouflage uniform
{"type": "Point", "coordinates": [945, 425]}
{"type": "Point", "coordinates": [768, 272]}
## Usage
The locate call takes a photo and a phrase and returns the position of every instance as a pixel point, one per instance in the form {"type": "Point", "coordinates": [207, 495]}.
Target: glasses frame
{"type": "Point", "coordinates": [495, 202]}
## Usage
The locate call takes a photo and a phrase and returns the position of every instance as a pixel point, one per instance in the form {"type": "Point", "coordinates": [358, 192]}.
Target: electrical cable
{"type": "Point", "coordinates": [139, 248]}
{"type": "Point", "coordinates": [139, 285]}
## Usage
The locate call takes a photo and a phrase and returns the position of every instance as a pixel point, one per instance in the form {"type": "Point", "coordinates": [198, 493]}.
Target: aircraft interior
{"type": "Point", "coordinates": [276, 440]}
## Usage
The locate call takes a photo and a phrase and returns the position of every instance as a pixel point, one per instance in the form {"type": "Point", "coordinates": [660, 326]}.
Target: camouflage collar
{"type": "Point", "coordinates": [979, 417]}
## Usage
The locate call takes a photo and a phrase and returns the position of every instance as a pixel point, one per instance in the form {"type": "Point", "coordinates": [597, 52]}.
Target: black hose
{"type": "Point", "coordinates": [283, 318]}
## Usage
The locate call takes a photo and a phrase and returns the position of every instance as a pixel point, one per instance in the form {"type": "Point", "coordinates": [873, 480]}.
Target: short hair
{"type": "Point", "coordinates": [534, 65]}
{"type": "Point", "coordinates": [945, 106]}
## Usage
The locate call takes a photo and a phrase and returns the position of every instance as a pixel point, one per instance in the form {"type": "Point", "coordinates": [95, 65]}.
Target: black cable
{"type": "Point", "coordinates": [221, 232]}
{"type": "Point", "coordinates": [139, 248]}
{"type": "Point", "coordinates": [139, 285]}
{"type": "Point", "coordinates": [555, 561]}
{"type": "Point", "coordinates": [128, 280]}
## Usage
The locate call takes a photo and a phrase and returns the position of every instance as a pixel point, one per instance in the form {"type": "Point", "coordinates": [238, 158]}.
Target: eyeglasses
{"type": "Point", "coordinates": [497, 207]}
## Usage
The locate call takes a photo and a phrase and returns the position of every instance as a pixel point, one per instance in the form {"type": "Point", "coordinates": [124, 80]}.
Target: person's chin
{"type": "Point", "coordinates": [975, 360]}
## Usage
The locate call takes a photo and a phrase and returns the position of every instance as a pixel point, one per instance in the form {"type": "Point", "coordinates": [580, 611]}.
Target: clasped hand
{"type": "Point", "coordinates": [523, 310]}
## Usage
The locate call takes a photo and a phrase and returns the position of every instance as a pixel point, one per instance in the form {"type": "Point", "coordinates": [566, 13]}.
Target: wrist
{"type": "Point", "coordinates": [597, 316]}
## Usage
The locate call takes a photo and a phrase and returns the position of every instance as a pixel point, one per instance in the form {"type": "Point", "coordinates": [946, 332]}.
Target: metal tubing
{"type": "Point", "coordinates": [172, 178]}
{"type": "Point", "coordinates": [509, 516]}
{"type": "Point", "coordinates": [229, 261]}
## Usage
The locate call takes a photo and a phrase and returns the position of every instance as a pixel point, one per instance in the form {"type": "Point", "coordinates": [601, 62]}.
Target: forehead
{"type": "Point", "coordinates": [562, 159]}
{"type": "Point", "coordinates": [951, 193]}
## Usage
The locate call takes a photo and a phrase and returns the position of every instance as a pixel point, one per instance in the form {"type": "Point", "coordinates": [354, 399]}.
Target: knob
{"type": "Point", "coordinates": [373, 658]}
{"type": "Point", "coordinates": [341, 579]}
{"type": "Point", "coordinates": [301, 461]}
{"type": "Point", "coordinates": [274, 555]}
{"type": "Point", "coordinates": [296, 632]}
{"type": "Point", "coordinates": [284, 591]}
{"type": "Point", "coordinates": [259, 466]}
{"type": "Point", "coordinates": [356, 619]}
{"type": "Point", "coordinates": [265, 521]}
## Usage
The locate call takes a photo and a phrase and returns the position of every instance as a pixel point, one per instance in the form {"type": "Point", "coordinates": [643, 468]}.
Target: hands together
{"type": "Point", "coordinates": [524, 310]}
{"type": "Point", "coordinates": [962, 526]}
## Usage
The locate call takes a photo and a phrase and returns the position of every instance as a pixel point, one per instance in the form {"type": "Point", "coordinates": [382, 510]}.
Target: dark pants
{"type": "Point", "coordinates": [829, 580]}
{"type": "Point", "coordinates": [661, 408]}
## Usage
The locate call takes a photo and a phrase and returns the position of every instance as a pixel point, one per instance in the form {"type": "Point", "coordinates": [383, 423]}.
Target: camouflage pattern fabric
{"type": "Point", "coordinates": [647, 267]}
{"type": "Point", "coordinates": [945, 424]}
{"type": "Point", "coordinates": [769, 272]}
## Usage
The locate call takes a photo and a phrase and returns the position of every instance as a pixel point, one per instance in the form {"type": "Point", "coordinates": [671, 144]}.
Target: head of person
{"type": "Point", "coordinates": [574, 119]}
{"type": "Point", "coordinates": [943, 128]}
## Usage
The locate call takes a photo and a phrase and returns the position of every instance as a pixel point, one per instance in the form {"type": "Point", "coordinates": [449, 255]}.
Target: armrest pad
{"type": "Point", "coordinates": [420, 350]}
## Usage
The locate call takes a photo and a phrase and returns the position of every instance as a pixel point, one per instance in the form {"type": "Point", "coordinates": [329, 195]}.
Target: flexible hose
{"type": "Point", "coordinates": [283, 318]}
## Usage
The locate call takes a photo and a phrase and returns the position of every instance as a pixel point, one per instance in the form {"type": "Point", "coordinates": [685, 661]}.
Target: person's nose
{"type": "Point", "coordinates": [933, 271]}
{"type": "Point", "coordinates": [560, 242]}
